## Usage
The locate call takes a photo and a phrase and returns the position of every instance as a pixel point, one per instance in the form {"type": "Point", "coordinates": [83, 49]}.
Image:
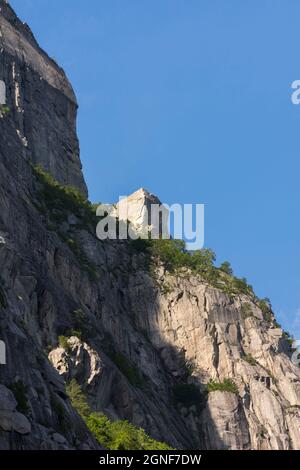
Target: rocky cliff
{"type": "Point", "coordinates": [197, 363]}
{"type": "Point", "coordinates": [41, 99]}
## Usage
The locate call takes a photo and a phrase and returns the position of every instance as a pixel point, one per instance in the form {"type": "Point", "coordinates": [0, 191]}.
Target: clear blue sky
{"type": "Point", "coordinates": [191, 99]}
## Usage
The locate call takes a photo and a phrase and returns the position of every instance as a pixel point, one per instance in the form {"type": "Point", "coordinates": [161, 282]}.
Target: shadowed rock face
{"type": "Point", "coordinates": [41, 100]}
{"type": "Point", "coordinates": [141, 341]}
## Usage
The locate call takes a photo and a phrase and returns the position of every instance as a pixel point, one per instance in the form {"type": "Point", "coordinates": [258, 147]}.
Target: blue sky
{"type": "Point", "coordinates": [192, 100]}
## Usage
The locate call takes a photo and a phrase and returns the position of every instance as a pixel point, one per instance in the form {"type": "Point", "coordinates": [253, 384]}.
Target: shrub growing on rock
{"type": "Point", "coordinates": [121, 435]}
{"type": "Point", "coordinates": [226, 386]}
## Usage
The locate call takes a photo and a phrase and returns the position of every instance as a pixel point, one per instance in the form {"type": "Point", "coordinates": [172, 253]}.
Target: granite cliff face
{"type": "Point", "coordinates": [139, 209]}
{"type": "Point", "coordinates": [143, 347]}
{"type": "Point", "coordinates": [42, 101]}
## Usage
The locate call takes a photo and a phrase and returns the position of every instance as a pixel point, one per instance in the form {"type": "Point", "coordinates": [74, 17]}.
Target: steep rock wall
{"type": "Point", "coordinates": [143, 338]}
{"type": "Point", "coordinates": [41, 100]}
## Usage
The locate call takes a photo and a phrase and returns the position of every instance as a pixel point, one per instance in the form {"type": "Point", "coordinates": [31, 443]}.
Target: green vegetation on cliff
{"type": "Point", "coordinates": [175, 258]}
{"type": "Point", "coordinates": [250, 359]}
{"type": "Point", "coordinates": [172, 254]}
{"type": "Point", "coordinates": [121, 435]}
{"type": "Point", "coordinates": [226, 386]}
{"type": "Point", "coordinates": [4, 110]}
{"type": "Point", "coordinates": [113, 435]}
{"type": "Point", "coordinates": [62, 200]}
{"type": "Point", "coordinates": [57, 203]}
